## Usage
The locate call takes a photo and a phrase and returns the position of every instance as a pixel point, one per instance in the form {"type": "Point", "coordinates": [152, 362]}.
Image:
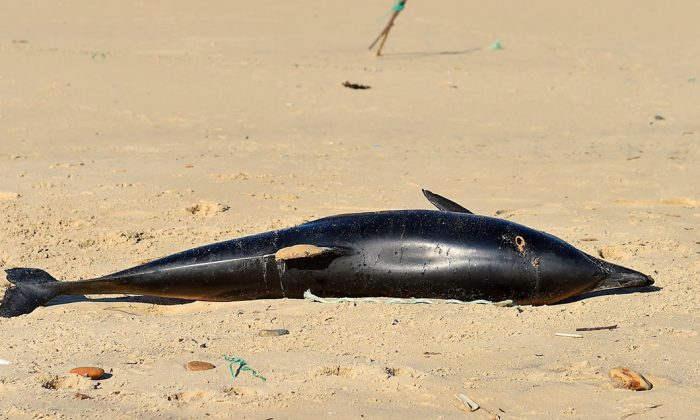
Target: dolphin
{"type": "Point", "coordinates": [450, 253]}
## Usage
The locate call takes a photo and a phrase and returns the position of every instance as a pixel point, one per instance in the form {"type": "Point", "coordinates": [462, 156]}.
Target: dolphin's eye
{"type": "Point", "coordinates": [520, 242]}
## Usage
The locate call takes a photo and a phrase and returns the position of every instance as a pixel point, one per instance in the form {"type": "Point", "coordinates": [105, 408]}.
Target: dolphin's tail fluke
{"type": "Point", "coordinates": [32, 288]}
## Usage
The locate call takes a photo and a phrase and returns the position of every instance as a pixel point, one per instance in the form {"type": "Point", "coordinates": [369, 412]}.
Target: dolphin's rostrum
{"type": "Point", "coordinates": [450, 254]}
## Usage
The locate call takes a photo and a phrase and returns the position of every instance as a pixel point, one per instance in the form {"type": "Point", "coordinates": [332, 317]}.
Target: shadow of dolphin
{"type": "Point", "coordinates": [153, 300]}
{"type": "Point", "coordinates": [596, 293]}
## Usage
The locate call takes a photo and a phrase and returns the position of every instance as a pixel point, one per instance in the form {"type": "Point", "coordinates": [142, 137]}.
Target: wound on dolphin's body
{"type": "Point", "coordinates": [520, 242]}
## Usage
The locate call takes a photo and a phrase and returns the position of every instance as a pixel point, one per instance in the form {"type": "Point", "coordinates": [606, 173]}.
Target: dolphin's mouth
{"type": "Point", "coordinates": [617, 277]}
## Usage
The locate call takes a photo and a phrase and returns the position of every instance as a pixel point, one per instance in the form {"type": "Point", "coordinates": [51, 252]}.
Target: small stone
{"type": "Point", "coordinates": [273, 333]}
{"type": "Point", "coordinates": [197, 365]}
{"type": "Point", "coordinates": [623, 377]}
{"type": "Point", "coordinates": [88, 372]}
{"type": "Point", "coordinates": [79, 396]}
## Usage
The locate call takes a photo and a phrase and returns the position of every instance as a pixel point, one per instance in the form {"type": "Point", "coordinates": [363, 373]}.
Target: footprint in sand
{"type": "Point", "coordinates": [674, 201]}
{"type": "Point", "coordinates": [681, 202]}
{"type": "Point", "coordinates": [6, 195]}
{"type": "Point", "coordinates": [207, 208]}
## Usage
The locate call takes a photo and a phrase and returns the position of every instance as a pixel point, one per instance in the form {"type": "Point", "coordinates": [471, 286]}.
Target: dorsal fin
{"type": "Point", "coordinates": [443, 204]}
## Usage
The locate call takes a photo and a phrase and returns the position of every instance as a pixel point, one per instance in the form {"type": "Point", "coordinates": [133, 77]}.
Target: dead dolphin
{"type": "Point", "coordinates": [450, 254]}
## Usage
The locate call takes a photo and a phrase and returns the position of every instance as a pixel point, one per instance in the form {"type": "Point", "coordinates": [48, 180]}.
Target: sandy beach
{"type": "Point", "coordinates": [131, 130]}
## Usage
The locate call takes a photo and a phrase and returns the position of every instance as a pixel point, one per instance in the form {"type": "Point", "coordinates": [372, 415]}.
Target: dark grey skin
{"type": "Point", "coordinates": [448, 254]}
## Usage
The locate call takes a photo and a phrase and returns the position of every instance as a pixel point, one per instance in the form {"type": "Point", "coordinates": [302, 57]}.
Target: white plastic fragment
{"type": "Point", "coordinates": [568, 335]}
{"type": "Point", "coordinates": [5, 362]}
{"type": "Point", "coordinates": [310, 296]}
{"type": "Point", "coordinates": [468, 402]}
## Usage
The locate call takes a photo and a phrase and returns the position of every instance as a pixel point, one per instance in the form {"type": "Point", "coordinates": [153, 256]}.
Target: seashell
{"type": "Point", "coordinates": [623, 377]}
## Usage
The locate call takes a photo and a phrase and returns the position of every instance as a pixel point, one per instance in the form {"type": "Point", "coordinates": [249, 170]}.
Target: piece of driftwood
{"type": "Point", "coordinates": [398, 7]}
{"type": "Point", "coordinates": [608, 327]}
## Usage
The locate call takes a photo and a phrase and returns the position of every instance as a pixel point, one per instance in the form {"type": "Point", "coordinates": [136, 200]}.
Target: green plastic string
{"type": "Point", "coordinates": [399, 5]}
{"type": "Point", "coordinates": [497, 45]}
{"type": "Point", "coordinates": [242, 367]}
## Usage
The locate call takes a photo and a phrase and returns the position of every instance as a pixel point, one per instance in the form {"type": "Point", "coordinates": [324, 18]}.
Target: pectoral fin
{"type": "Point", "coordinates": [308, 257]}
{"type": "Point", "coordinates": [443, 204]}
{"type": "Point", "coordinates": [303, 251]}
